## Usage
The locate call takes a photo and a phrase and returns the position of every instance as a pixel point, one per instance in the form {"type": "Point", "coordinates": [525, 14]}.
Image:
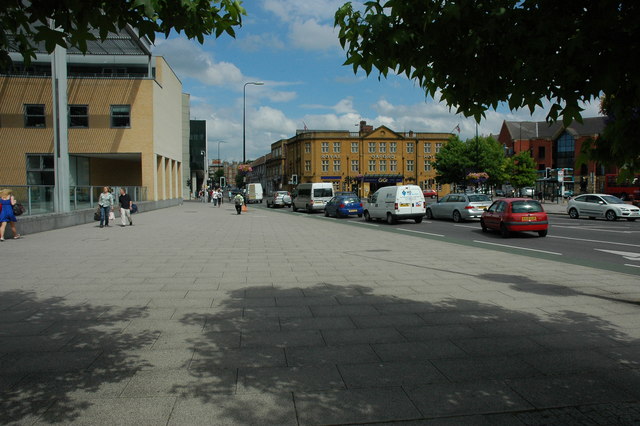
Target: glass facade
{"type": "Point", "coordinates": [565, 151]}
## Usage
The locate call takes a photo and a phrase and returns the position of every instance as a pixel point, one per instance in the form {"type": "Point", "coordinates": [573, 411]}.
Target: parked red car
{"type": "Point", "coordinates": [429, 193]}
{"type": "Point", "coordinates": [515, 215]}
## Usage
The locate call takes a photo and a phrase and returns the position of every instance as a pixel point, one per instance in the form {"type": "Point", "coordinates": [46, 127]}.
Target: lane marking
{"type": "Point", "coordinates": [519, 248]}
{"type": "Point", "coordinates": [365, 223]}
{"type": "Point", "coordinates": [467, 226]}
{"type": "Point", "coordinates": [635, 266]}
{"type": "Point", "coordinates": [629, 255]}
{"type": "Point", "coordinates": [594, 241]}
{"type": "Point", "coordinates": [594, 229]}
{"type": "Point", "coordinates": [420, 232]}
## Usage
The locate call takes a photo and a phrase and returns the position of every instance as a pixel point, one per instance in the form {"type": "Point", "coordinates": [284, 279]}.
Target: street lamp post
{"type": "Point", "coordinates": [219, 162]}
{"type": "Point", "coordinates": [206, 168]}
{"type": "Point", "coordinates": [244, 113]}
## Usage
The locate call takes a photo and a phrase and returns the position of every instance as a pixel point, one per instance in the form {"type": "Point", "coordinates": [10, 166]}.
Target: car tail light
{"type": "Point", "coordinates": [469, 207]}
{"type": "Point", "coordinates": [360, 204]}
{"type": "Point", "coordinates": [311, 202]}
{"type": "Point", "coordinates": [342, 206]}
{"type": "Point", "coordinates": [395, 206]}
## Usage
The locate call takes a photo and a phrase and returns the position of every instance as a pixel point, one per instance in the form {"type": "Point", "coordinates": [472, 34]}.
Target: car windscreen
{"type": "Point", "coordinates": [322, 192]}
{"type": "Point", "coordinates": [610, 199]}
{"type": "Point", "coordinates": [526, 207]}
{"type": "Point", "coordinates": [479, 198]}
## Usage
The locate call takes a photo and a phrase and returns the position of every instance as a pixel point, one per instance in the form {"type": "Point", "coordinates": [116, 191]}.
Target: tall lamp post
{"type": "Point", "coordinates": [219, 162]}
{"type": "Point", "coordinates": [244, 113]}
{"type": "Point", "coordinates": [206, 167]}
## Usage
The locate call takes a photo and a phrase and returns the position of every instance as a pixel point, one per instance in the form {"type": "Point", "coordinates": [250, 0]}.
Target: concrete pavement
{"type": "Point", "coordinates": [198, 316]}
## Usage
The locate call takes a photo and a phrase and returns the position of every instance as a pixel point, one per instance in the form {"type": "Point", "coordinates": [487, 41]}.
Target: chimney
{"type": "Point", "coordinates": [364, 127]}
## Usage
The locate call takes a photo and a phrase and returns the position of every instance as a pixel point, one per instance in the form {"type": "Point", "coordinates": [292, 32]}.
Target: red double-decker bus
{"type": "Point", "coordinates": [625, 189]}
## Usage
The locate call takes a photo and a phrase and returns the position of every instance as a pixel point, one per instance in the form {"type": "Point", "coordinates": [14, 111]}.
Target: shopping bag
{"type": "Point", "coordinates": [244, 207]}
{"type": "Point", "coordinates": [112, 216]}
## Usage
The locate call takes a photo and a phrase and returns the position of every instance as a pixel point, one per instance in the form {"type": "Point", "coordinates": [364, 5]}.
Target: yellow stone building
{"type": "Point", "coordinates": [363, 161]}
{"type": "Point", "coordinates": [126, 124]}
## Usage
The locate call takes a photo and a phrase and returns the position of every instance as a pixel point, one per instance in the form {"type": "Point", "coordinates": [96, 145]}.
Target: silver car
{"type": "Point", "coordinates": [601, 205]}
{"type": "Point", "coordinates": [279, 199]}
{"type": "Point", "coordinates": [459, 207]}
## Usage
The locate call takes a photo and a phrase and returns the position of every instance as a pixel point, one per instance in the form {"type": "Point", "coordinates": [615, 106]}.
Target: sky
{"type": "Point", "coordinates": [292, 47]}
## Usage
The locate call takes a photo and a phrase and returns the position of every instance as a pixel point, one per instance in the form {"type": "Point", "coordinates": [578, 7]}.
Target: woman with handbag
{"type": "Point", "coordinates": [105, 202]}
{"type": "Point", "coordinates": [6, 214]}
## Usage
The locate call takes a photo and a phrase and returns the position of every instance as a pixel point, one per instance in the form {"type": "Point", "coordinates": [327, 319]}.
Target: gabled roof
{"type": "Point", "coordinates": [524, 130]}
{"type": "Point", "coordinates": [382, 132]}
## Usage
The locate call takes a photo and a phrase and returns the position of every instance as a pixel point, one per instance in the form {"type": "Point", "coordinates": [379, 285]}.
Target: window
{"type": "Point", "coordinates": [410, 146]}
{"type": "Point", "coordinates": [541, 152]}
{"type": "Point", "coordinates": [120, 116]}
{"type": "Point", "coordinates": [372, 165]}
{"type": "Point", "coordinates": [325, 146]}
{"type": "Point", "coordinates": [40, 170]}
{"type": "Point", "coordinates": [393, 146]}
{"type": "Point", "coordinates": [409, 165]}
{"type": "Point", "coordinates": [427, 166]}
{"type": "Point", "coordinates": [372, 147]}
{"type": "Point", "coordinates": [565, 151]}
{"type": "Point", "coordinates": [354, 147]}
{"type": "Point", "coordinates": [307, 147]}
{"type": "Point", "coordinates": [438, 147]}
{"type": "Point", "coordinates": [307, 165]}
{"type": "Point", "coordinates": [336, 147]}
{"type": "Point", "coordinates": [78, 116]}
{"type": "Point", "coordinates": [393, 165]}
{"type": "Point", "coordinates": [355, 166]}
{"type": "Point", "coordinates": [34, 116]}
{"type": "Point", "coordinates": [383, 147]}
{"type": "Point", "coordinates": [383, 165]}
{"type": "Point", "coordinates": [427, 148]}
{"type": "Point", "coordinates": [336, 165]}
{"type": "Point", "coordinates": [325, 165]}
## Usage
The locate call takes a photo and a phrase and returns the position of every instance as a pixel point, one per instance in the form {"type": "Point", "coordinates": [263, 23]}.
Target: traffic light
{"type": "Point", "coordinates": [547, 172]}
{"type": "Point", "coordinates": [223, 181]}
{"type": "Point", "coordinates": [294, 179]}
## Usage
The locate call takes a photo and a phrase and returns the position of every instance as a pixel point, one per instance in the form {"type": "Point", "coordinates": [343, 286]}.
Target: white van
{"type": "Point", "coordinates": [311, 196]}
{"type": "Point", "coordinates": [393, 203]}
{"type": "Point", "coordinates": [254, 191]}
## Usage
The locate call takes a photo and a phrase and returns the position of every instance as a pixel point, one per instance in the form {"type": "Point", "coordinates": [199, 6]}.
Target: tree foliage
{"type": "Point", "coordinates": [521, 170]}
{"type": "Point", "coordinates": [476, 55]}
{"type": "Point", "coordinates": [71, 23]}
{"type": "Point", "coordinates": [456, 159]}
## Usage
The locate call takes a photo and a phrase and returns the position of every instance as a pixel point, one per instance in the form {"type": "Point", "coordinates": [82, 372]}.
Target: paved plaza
{"type": "Point", "coordinates": [198, 316]}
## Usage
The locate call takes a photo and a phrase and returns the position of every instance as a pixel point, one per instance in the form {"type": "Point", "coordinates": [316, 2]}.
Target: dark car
{"type": "Point", "coordinates": [515, 215]}
{"type": "Point", "coordinates": [344, 205]}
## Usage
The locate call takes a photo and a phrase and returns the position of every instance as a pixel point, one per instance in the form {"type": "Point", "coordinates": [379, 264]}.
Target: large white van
{"type": "Point", "coordinates": [311, 196]}
{"type": "Point", "coordinates": [393, 203]}
{"type": "Point", "coordinates": [254, 191]}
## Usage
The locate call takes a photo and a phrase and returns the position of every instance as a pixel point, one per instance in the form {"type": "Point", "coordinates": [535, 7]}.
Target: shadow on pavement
{"type": "Point", "coordinates": [52, 349]}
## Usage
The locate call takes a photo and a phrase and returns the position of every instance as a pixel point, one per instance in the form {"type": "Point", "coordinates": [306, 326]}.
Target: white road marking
{"type": "Point", "coordinates": [594, 229]}
{"type": "Point", "coordinates": [365, 223]}
{"type": "Point", "coordinates": [519, 248]}
{"type": "Point", "coordinates": [635, 266]}
{"type": "Point", "coordinates": [421, 232]}
{"type": "Point", "coordinates": [468, 226]}
{"type": "Point", "coordinates": [594, 241]}
{"type": "Point", "coordinates": [626, 254]}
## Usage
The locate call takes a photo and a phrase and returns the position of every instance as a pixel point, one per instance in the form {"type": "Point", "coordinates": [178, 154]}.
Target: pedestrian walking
{"type": "Point", "coordinates": [125, 207]}
{"type": "Point", "coordinates": [221, 199]}
{"type": "Point", "coordinates": [105, 203]}
{"type": "Point", "coordinates": [6, 213]}
{"type": "Point", "coordinates": [239, 201]}
{"type": "Point", "coordinates": [214, 197]}
{"type": "Point", "coordinates": [218, 195]}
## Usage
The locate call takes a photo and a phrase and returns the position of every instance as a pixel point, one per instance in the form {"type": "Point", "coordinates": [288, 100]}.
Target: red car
{"type": "Point", "coordinates": [515, 215]}
{"type": "Point", "coordinates": [429, 193]}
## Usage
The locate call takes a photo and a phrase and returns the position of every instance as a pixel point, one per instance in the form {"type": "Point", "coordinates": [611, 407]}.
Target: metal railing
{"type": "Point", "coordinates": [38, 199]}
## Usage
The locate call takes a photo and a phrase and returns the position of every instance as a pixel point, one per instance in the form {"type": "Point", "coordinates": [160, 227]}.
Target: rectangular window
{"type": "Point", "coordinates": [34, 115]}
{"type": "Point", "coordinates": [355, 166]}
{"type": "Point", "coordinates": [336, 147]}
{"type": "Point", "coordinates": [336, 165]}
{"type": "Point", "coordinates": [372, 165]}
{"type": "Point", "coordinates": [372, 147]}
{"type": "Point", "coordinates": [325, 146]}
{"type": "Point", "coordinates": [393, 165]}
{"type": "Point", "coordinates": [409, 165]}
{"type": "Point", "coordinates": [307, 147]}
{"type": "Point", "coordinates": [40, 170]}
{"type": "Point", "coordinates": [427, 148]}
{"type": "Point", "coordinates": [383, 147]}
{"type": "Point", "coordinates": [541, 152]}
{"type": "Point", "coordinates": [325, 165]}
{"type": "Point", "coordinates": [393, 147]}
{"type": "Point", "coordinates": [354, 147]}
{"type": "Point", "coordinates": [438, 147]}
{"type": "Point", "coordinates": [410, 147]}
{"type": "Point", "coordinates": [78, 116]}
{"type": "Point", "coordinates": [427, 166]}
{"type": "Point", "coordinates": [383, 165]}
{"type": "Point", "coordinates": [120, 116]}
{"type": "Point", "coordinates": [307, 165]}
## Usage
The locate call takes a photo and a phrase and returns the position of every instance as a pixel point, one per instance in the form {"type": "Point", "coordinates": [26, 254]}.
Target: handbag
{"type": "Point", "coordinates": [18, 209]}
{"type": "Point", "coordinates": [112, 216]}
{"type": "Point", "coordinates": [96, 215]}
{"type": "Point", "coordinates": [134, 208]}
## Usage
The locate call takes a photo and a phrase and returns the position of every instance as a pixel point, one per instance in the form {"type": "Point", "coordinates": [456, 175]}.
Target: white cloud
{"type": "Point", "coordinates": [258, 42]}
{"type": "Point", "coordinates": [311, 35]}
{"type": "Point", "coordinates": [288, 10]}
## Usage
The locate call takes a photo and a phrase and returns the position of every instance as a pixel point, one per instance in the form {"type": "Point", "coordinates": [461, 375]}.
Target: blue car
{"type": "Point", "coordinates": [343, 205]}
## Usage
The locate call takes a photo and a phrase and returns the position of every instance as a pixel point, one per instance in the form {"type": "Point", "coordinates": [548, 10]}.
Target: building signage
{"type": "Point", "coordinates": [330, 177]}
{"type": "Point", "coordinates": [383, 179]}
{"type": "Point", "coordinates": [330, 156]}
{"type": "Point", "coordinates": [383, 156]}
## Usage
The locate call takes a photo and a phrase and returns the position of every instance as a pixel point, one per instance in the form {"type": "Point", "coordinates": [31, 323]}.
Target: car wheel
{"type": "Point", "coordinates": [367, 216]}
{"type": "Point", "coordinates": [294, 208]}
{"type": "Point", "coordinates": [456, 216]}
{"type": "Point", "coordinates": [610, 215]}
{"type": "Point", "coordinates": [390, 219]}
{"type": "Point", "coordinates": [483, 226]}
{"type": "Point", "coordinates": [326, 213]}
{"type": "Point", "coordinates": [573, 214]}
{"type": "Point", "coordinates": [418, 219]}
{"type": "Point", "coordinates": [631, 219]}
{"type": "Point", "coordinates": [429, 214]}
{"type": "Point", "coordinates": [360, 215]}
{"type": "Point", "coordinates": [307, 208]}
{"type": "Point", "coordinates": [542, 233]}
{"type": "Point", "coordinates": [504, 232]}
